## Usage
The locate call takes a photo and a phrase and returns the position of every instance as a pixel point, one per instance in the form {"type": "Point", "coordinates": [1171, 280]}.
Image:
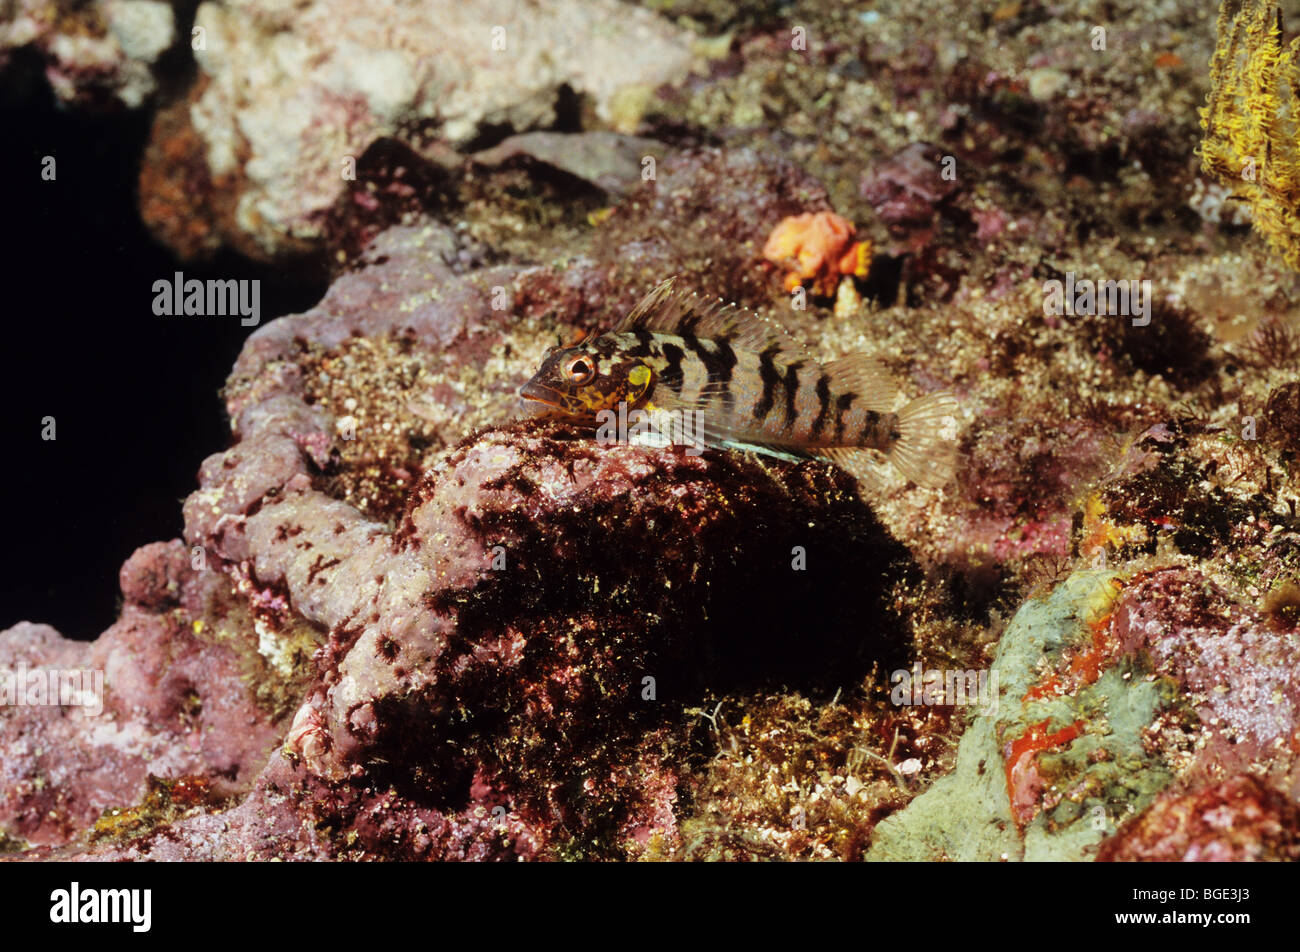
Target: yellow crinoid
{"type": "Point", "coordinates": [1252, 137]}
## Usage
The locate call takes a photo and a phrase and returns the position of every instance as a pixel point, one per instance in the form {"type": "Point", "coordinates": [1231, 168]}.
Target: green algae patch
{"type": "Point", "coordinates": [12, 844]}
{"type": "Point", "coordinates": [964, 816]}
{"type": "Point", "coordinates": [1105, 775]}
{"type": "Point", "coordinates": [1047, 774]}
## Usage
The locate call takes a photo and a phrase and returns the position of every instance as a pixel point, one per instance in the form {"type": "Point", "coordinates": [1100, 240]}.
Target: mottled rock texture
{"type": "Point", "coordinates": [95, 54]}
{"type": "Point", "coordinates": [288, 99]}
{"type": "Point", "coordinates": [1237, 820]}
{"type": "Point", "coordinates": [513, 618]}
{"type": "Point", "coordinates": [185, 693]}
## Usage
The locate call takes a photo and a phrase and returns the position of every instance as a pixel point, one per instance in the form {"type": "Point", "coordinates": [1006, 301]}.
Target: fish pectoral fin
{"type": "Point", "coordinates": [765, 449]}
{"type": "Point", "coordinates": [676, 421]}
{"type": "Point", "coordinates": [670, 309]}
{"type": "Point", "coordinates": [701, 425]}
{"type": "Point", "coordinates": [864, 465]}
{"type": "Point", "coordinates": [865, 376]}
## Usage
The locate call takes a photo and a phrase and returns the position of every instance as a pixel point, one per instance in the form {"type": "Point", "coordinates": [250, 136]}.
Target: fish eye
{"type": "Point", "coordinates": [580, 369]}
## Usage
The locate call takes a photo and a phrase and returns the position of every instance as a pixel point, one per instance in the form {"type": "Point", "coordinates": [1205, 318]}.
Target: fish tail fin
{"type": "Point", "coordinates": [926, 451]}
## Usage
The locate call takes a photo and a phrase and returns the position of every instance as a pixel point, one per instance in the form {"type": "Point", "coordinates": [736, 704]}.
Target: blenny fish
{"type": "Point", "coordinates": [752, 385]}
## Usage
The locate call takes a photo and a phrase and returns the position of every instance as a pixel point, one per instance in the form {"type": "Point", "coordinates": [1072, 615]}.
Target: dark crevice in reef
{"type": "Point", "coordinates": [175, 67]}
{"type": "Point", "coordinates": [133, 395]}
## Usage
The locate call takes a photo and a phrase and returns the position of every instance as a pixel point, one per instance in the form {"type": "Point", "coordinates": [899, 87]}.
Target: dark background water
{"type": "Point", "coordinates": [134, 396]}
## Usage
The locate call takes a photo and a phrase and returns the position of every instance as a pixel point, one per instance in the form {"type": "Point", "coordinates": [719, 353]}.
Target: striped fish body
{"type": "Point", "coordinates": [750, 398]}
{"type": "Point", "coordinates": [751, 386]}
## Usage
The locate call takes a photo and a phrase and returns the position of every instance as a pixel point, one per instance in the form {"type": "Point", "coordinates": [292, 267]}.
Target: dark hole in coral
{"type": "Point", "coordinates": [976, 587]}
{"type": "Point", "coordinates": [568, 109]}
{"type": "Point", "coordinates": [885, 279]}
{"type": "Point", "coordinates": [175, 66]}
{"type": "Point", "coordinates": [488, 135]}
{"type": "Point", "coordinates": [527, 179]}
{"type": "Point", "coordinates": [1092, 163]}
{"type": "Point", "coordinates": [393, 183]}
{"type": "Point", "coordinates": [134, 395]}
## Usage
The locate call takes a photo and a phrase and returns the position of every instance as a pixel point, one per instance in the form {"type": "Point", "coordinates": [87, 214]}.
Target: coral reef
{"type": "Point", "coordinates": [1042, 777]}
{"type": "Point", "coordinates": [406, 622]}
{"type": "Point", "coordinates": [185, 692]}
{"type": "Point", "coordinates": [449, 684]}
{"type": "Point", "coordinates": [95, 54]}
{"type": "Point", "coordinates": [351, 76]}
{"type": "Point", "coordinates": [1156, 685]}
{"type": "Point", "coordinates": [1238, 820]}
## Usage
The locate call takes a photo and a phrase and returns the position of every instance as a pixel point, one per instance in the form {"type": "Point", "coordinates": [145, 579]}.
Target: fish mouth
{"type": "Point", "coordinates": [545, 402]}
{"type": "Point", "coordinates": [540, 393]}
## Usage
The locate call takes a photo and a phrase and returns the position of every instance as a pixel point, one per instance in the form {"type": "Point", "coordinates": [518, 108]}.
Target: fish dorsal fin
{"type": "Point", "coordinates": [671, 309]}
{"type": "Point", "coordinates": [865, 376]}
{"type": "Point", "coordinates": [657, 311]}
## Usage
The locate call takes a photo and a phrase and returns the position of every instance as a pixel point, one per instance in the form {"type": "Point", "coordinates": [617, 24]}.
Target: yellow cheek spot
{"type": "Point", "coordinates": [638, 381]}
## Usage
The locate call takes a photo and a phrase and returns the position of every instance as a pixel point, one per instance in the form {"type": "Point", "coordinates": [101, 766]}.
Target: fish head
{"type": "Point", "coordinates": [580, 381]}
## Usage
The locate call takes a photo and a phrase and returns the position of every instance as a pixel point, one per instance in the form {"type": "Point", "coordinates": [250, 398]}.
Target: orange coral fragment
{"type": "Point", "coordinates": [1088, 663]}
{"type": "Point", "coordinates": [857, 260]}
{"type": "Point", "coordinates": [817, 247]}
{"type": "Point", "coordinates": [1085, 667]}
{"type": "Point", "coordinates": [1023, 781]}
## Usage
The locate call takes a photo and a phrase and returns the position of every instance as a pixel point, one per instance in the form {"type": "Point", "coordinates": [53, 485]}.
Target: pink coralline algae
{"type": "Point", "coordinates": [176, 700]}
{"type": "Point", "coordinates": [1237, 820]}
{"type": "Point", "coordinates": [1234, 795]}
{"type": "Point", "coordinates": [1193, 632]}
{"type": "Point", "coordinates": [910, 188]}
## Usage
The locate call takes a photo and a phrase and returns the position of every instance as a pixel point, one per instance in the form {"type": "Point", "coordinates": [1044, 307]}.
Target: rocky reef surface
{"type": "Point", "coordinates": [408, 622]}
{"type": "Point", "coordinates": [102, 54]}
